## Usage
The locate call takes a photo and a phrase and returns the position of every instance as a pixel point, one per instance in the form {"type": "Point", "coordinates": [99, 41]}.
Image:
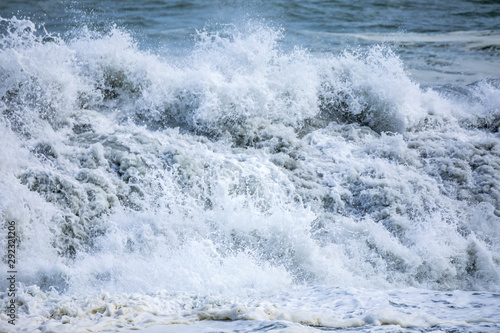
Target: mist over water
{"type": "Point", "coordinates": [237, 174]}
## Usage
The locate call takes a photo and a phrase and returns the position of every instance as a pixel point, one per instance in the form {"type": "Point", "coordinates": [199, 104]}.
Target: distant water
{"type": "Point", "coordinates": [274, 166]}
{"type": "Point", "coordinates": [439, 42]}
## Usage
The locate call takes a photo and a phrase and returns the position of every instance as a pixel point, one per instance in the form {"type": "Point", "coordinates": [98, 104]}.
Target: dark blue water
{"type": "Point", "coordinates": [440, 42]}
{"type": "Point", "coordinates": [151, 17]}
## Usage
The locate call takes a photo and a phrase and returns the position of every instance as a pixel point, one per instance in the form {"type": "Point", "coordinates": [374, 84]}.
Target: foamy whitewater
{"type": "Point", "coordinates": [243, 187]}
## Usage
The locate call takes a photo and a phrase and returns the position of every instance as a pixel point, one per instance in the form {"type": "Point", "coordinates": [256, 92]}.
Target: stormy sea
{"type": "Point", "coordinates": [249, 166]}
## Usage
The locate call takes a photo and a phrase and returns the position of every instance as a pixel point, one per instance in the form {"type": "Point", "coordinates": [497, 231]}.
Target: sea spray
{"type": "Point", "coordinates": [181, 188]}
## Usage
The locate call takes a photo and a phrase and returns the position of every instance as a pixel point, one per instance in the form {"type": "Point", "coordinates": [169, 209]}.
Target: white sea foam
{"type": "Point", "coordinates": [226, 185]}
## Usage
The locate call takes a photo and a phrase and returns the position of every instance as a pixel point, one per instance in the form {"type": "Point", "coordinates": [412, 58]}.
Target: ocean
{"type": "Point", "coordinates": [250, 166]}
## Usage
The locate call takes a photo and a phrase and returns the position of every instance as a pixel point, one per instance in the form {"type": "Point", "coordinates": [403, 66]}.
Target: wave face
{"type": "Point", "coordinates": [242, 169]}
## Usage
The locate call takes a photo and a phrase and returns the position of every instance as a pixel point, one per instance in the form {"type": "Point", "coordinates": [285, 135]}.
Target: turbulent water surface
{"type": "Point", "coordinates": [281, 166]}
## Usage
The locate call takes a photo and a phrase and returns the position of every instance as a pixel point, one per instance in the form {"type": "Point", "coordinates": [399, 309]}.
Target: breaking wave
{"type": "Point", "coordinates": [240, 168]}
